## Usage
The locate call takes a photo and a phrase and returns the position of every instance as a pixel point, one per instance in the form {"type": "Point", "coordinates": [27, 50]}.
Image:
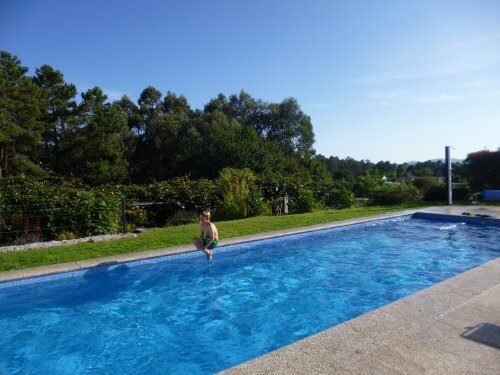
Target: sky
{"type": "Point", "coordinates": [381, 79]}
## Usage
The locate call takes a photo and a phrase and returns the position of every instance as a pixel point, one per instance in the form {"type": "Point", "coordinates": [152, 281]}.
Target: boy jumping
{"type": "Point", "coordinates": [209, 237]}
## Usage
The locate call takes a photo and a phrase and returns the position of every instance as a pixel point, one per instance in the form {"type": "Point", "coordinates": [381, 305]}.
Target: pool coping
{"type": "Point", "coordinates": [14, 275]}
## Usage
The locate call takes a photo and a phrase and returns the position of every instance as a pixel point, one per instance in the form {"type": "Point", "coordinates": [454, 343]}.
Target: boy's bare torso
{"type": "Point", "coordinates": [209, 229]}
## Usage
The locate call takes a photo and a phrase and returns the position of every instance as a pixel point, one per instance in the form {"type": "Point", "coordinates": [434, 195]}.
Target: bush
{"type": "Point", "coordinates": [236, 186]}
{"type": "Point", "coordinates": [461, 193]}
{"type": "Point", "coordinates": [182, 217]}
{"type": "Point", "coordinates": [47, 207]}
{"type": "Point", "coordinates": [66, 235]}
{"type": "Point", "coordinates": [257, 205]}
{"type": "Point", "coordinates": [395, 194]}
{"type": "Point", "coordinates": [305, 201]}
{"type": "Point", "coordinates": [425, 183]}
{"type": "Point", "coordinates": [438, 193]}
{"type": "Point", "coordinates": [172, 196]}
{"type": "Point", "coordinates": [136, 216]}
{"type": "Point", "coordinates": [435, 193]}
{"type": "Point", "coordinates": [340, 197]}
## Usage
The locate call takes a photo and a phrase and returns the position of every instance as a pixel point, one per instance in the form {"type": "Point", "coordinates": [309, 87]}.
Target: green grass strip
{"type": "Point", "coordinates": [157, 238]}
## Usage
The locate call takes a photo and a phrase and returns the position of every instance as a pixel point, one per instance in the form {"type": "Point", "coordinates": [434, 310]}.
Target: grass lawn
{"type": "Point", "coordinates": [157, 238]}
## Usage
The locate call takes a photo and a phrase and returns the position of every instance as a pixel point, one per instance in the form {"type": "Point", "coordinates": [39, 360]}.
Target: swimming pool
{"type": "Point", "coordinates": [180, 314]}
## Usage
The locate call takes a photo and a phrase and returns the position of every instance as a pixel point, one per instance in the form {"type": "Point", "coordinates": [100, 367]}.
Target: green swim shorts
{"type": "Point", "coordinates": [207, 239]}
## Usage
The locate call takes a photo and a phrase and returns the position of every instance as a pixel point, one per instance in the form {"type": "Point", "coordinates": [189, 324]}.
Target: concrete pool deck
{"type": "Point", "coordinates": [452, 327]}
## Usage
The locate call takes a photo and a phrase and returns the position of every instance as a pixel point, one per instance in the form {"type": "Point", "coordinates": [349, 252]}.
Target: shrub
{"type": "Point", "coordinates": [435, 193]}
{"type": "Point", "coordinates": [66, 235]}
{"type": "Point", "coordinates": [340, 197]}
{"type": "Point", "coordinates": [182, 217]}
{"type": "Point", "coordinates": [425, 183]}
{"type": "Point", "coordinates": [172, 196]}
{"type": "Point", "coordinates": [461, 193]}
{"type": "Point", "coordinates": [236, 186]}
{"type": "Point", "coordinates": [136, 216]}
{"type": "Point", "coordinates": [50, 206]}
{"type": "Point", "coordinates": [257, 205]}
{"type": "Point", "coordinates": [438, 193]}
{"type": "Point", "coordinates": [395, 194]}
{"type": "Point", "coordinates": [305, 201]}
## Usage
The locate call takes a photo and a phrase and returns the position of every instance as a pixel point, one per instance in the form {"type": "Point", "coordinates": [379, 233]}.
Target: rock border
{"type": "Point", "coordinates": [45, 245]}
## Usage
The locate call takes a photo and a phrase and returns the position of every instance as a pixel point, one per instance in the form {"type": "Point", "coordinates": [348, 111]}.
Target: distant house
{"type": "Point", "coordinates": [409, 177]}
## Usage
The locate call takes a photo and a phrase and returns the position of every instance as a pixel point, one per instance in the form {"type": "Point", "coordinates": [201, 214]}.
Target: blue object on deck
{"type": "Point", "coordinates": [491, 195]}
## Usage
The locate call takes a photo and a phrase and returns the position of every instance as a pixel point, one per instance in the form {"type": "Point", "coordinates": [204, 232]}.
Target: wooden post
{"type": "Point", "coordinates": [285, 204]}
{"type": "Point", "coordinates": [124, 217]}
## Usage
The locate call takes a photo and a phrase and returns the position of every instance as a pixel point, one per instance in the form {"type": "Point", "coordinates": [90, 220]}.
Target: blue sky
{"type": "Point", "coordinates": [381, 80]}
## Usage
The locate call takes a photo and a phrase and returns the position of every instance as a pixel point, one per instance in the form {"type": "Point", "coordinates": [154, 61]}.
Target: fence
{"type": "Point", "coordinates": [27, 223]}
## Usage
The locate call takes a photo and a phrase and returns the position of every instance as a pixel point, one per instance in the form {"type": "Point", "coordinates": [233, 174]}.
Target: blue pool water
{"type": "Point", "coordinates": [182, 315]}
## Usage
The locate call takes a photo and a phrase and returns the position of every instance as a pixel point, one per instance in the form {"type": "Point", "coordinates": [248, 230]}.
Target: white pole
{"type": "Point", "coordinates": [448, 175]}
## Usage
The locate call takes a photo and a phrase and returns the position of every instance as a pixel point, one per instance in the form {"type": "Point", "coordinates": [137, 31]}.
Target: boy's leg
{"type": "Point", "coordinates": [198, 242]}
{"type": "Point", "coordinates": [208, 253]}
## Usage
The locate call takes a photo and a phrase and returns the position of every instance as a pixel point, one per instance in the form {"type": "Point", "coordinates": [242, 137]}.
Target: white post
{"type": "Point", "coordinates": [449, 184]}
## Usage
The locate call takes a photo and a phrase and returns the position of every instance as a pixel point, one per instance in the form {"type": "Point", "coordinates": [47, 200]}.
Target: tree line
{"type": "Point", "coordinates": [46, 129]}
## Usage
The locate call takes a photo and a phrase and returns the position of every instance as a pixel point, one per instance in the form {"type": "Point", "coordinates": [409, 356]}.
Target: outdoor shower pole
{"type": "Point", "coordinates": [448, 175]}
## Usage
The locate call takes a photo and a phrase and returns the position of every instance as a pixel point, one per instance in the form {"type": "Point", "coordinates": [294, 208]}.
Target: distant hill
{"type": "Point", "coordinates": [435, 160]}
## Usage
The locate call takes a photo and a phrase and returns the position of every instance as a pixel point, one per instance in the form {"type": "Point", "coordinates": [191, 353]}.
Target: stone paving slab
{"type": "Point", "coordinates": [444, 329]}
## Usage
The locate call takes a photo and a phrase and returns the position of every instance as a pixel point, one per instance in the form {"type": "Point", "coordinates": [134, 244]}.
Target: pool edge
{"type": "Point", "coordinates": [442, 212]}
{"type": "Point", "coordinates": [69, 267]}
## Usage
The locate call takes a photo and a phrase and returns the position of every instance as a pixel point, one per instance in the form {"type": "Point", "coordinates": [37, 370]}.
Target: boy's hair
{"type": "Point", "coordinates": [206, 214]}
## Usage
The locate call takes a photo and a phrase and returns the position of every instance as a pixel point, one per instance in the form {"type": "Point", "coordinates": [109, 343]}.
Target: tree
{"type": "Point", "coordinates": [290, 128]}
{"type": "Point", "coordinates": [59, 108]}
{"type": "Point", "coordinates": [21, 103]}
{"type": "Point", "coordinates": [483, 169]}
{"type": "Point", "coordinates": [175, 104]}
{"type": "Point", "coordinates": [95, 150]}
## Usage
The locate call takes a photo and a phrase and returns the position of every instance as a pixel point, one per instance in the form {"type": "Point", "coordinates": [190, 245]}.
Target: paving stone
{"type": "Point", "coordinates": [411, 356]}
{"type": "Point", "coordinates": [381, 326]}
{"type": "Point", "coordinates": [339, 345]}
{"type": "Point", "coordinates": [288, 360]}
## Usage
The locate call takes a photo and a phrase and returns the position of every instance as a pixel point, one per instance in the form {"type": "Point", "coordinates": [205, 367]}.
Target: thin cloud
{"type": "Point", "coordinates": [472, 42]}
{"type": "Point", "coordinates": [460, 56]}
{"type": "Point", "coordinates": [381, 78]}
{"type": "Point", "coordinates": [441, 98]}
{"type": "Point", "coordinates": [389, 97]}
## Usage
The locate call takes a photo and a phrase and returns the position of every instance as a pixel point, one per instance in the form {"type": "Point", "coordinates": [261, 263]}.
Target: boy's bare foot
{"type": "Point", "coordinates": [209, 255]}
